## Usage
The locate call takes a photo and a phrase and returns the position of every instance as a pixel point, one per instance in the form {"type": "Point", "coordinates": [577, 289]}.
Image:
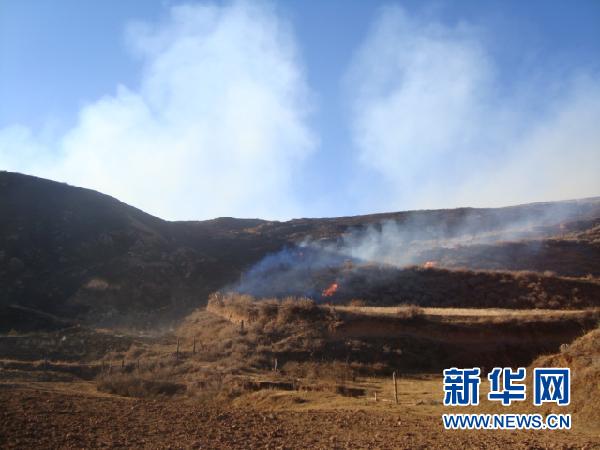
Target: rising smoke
{"type": "Point", "coordinates": [408, 239]}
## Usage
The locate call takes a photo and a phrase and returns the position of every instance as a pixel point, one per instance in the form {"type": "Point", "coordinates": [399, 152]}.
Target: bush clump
{"type": "Point", "coordinates": [128, 385]}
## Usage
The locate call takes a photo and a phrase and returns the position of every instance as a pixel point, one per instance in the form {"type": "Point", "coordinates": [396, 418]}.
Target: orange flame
{"type": "Point", "coordinates": [330, 290]}
{"type": "Point", "coordinates": [430, 264]}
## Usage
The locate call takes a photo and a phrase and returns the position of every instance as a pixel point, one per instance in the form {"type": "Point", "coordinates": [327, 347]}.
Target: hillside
{"type": "Point", "coordinates": [582, 356]}
{"type": "Point", "coordinates": [77, 253]}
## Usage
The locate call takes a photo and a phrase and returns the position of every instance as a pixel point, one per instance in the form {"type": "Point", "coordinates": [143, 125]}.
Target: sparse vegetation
{"type": "Point", "coordinates": [583, 357]}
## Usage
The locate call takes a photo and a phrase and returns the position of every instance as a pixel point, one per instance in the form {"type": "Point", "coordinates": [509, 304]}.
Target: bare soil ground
{"type": "Point", "coordinates": [231, 399]}
{"type": "Point", "coordinates": [75, 415]}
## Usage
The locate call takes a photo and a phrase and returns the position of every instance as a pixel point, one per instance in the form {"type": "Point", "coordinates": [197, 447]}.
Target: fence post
{"type": "Point", "coordinates": [177, 351]}
{"type": "Point", "coordinates": [395, 387]}
{"type": "Point", "coordinates": [194, 346]}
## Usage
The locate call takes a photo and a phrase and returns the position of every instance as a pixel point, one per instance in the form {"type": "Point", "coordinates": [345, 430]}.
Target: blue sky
{"type": "Point", "coordinates": [300, 108]}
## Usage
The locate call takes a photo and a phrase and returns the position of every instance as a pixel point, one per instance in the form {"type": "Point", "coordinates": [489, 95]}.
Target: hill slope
{"type": "Point", "coordinates": [77, 253]}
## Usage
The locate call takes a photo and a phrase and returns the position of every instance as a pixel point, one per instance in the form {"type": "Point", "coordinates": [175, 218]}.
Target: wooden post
{"type": "Point", "coordinates": [375, 395]}
{"type": "Point", "coordinates": [123, 364]}
{"type": "Point", "coordinates": [194, 346]}
{"type": "Point", "coordinates": [138, 365]}
{"type": "Point", "coordinates": [177, 351]}
{"type": "Point", "coordinates": [395, 387]}
{"type": "Point", "coordinates": [242, 327]}
{"type": "Point", "coordinates": [275, 365]}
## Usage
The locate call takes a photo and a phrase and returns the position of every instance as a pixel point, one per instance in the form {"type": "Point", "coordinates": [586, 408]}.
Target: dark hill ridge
{"type": "Point", "coordinates": [77, 253]}
{"type": "Point", "coordinates": [73, 251]}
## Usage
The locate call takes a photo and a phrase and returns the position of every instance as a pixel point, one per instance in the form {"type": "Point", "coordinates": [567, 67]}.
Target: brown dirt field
{"type": "Point", "coordinates": [44, 415]}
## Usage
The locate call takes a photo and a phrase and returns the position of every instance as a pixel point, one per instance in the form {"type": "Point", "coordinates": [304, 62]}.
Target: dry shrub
{"type": "Point", "coordinates": [292, 309]}
{"type": "Point", "coordinates": [134, 352]}
{"type": "Point", "coordinates": [215, 386]}
{"type": "Point", "coordinates": [129, 385]}
{"type": "Point", "coordinates": [335, 371]}
{"type": "Point", "coordinates": [238, 303]}
{"type": "Point", "coordinates": [267, 309]}
{"type": "Point", "coordinates": [410, 312]}
{"type": "Point", "coordinates": [216, 299]}
{"type": "Point", "coordinates": [266, 314]}
{"type": "Point", "coordinates": [357, 302]}
{"type": "Point", "coordinates": [212, 386]}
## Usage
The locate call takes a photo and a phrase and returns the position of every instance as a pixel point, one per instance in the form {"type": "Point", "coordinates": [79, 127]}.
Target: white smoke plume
{"type": "Point", "coordinates": [216, 126]}
{"type": "Point", "coordinates": [432, 118]}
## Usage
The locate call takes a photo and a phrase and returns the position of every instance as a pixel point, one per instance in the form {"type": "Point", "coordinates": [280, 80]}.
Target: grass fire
{"type": "Point", "coordinates": [330, 291]}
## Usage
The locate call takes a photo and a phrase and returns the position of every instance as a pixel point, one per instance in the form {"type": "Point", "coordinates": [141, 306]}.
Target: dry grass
{"type": "Point", "coordinates": [289, 310]}
{"type": "Point", "coordinates": [583, 357]}
{"type": "Point", "coordinates": [404, 311]}
{"type": "Point", "coordinates": [481, 315]}
{"type": "Point", "coordinates": [130, 385]}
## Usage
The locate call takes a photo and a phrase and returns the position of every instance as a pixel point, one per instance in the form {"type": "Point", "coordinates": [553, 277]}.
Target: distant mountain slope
{"type": "Point", "coordinates": [77, 253]}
